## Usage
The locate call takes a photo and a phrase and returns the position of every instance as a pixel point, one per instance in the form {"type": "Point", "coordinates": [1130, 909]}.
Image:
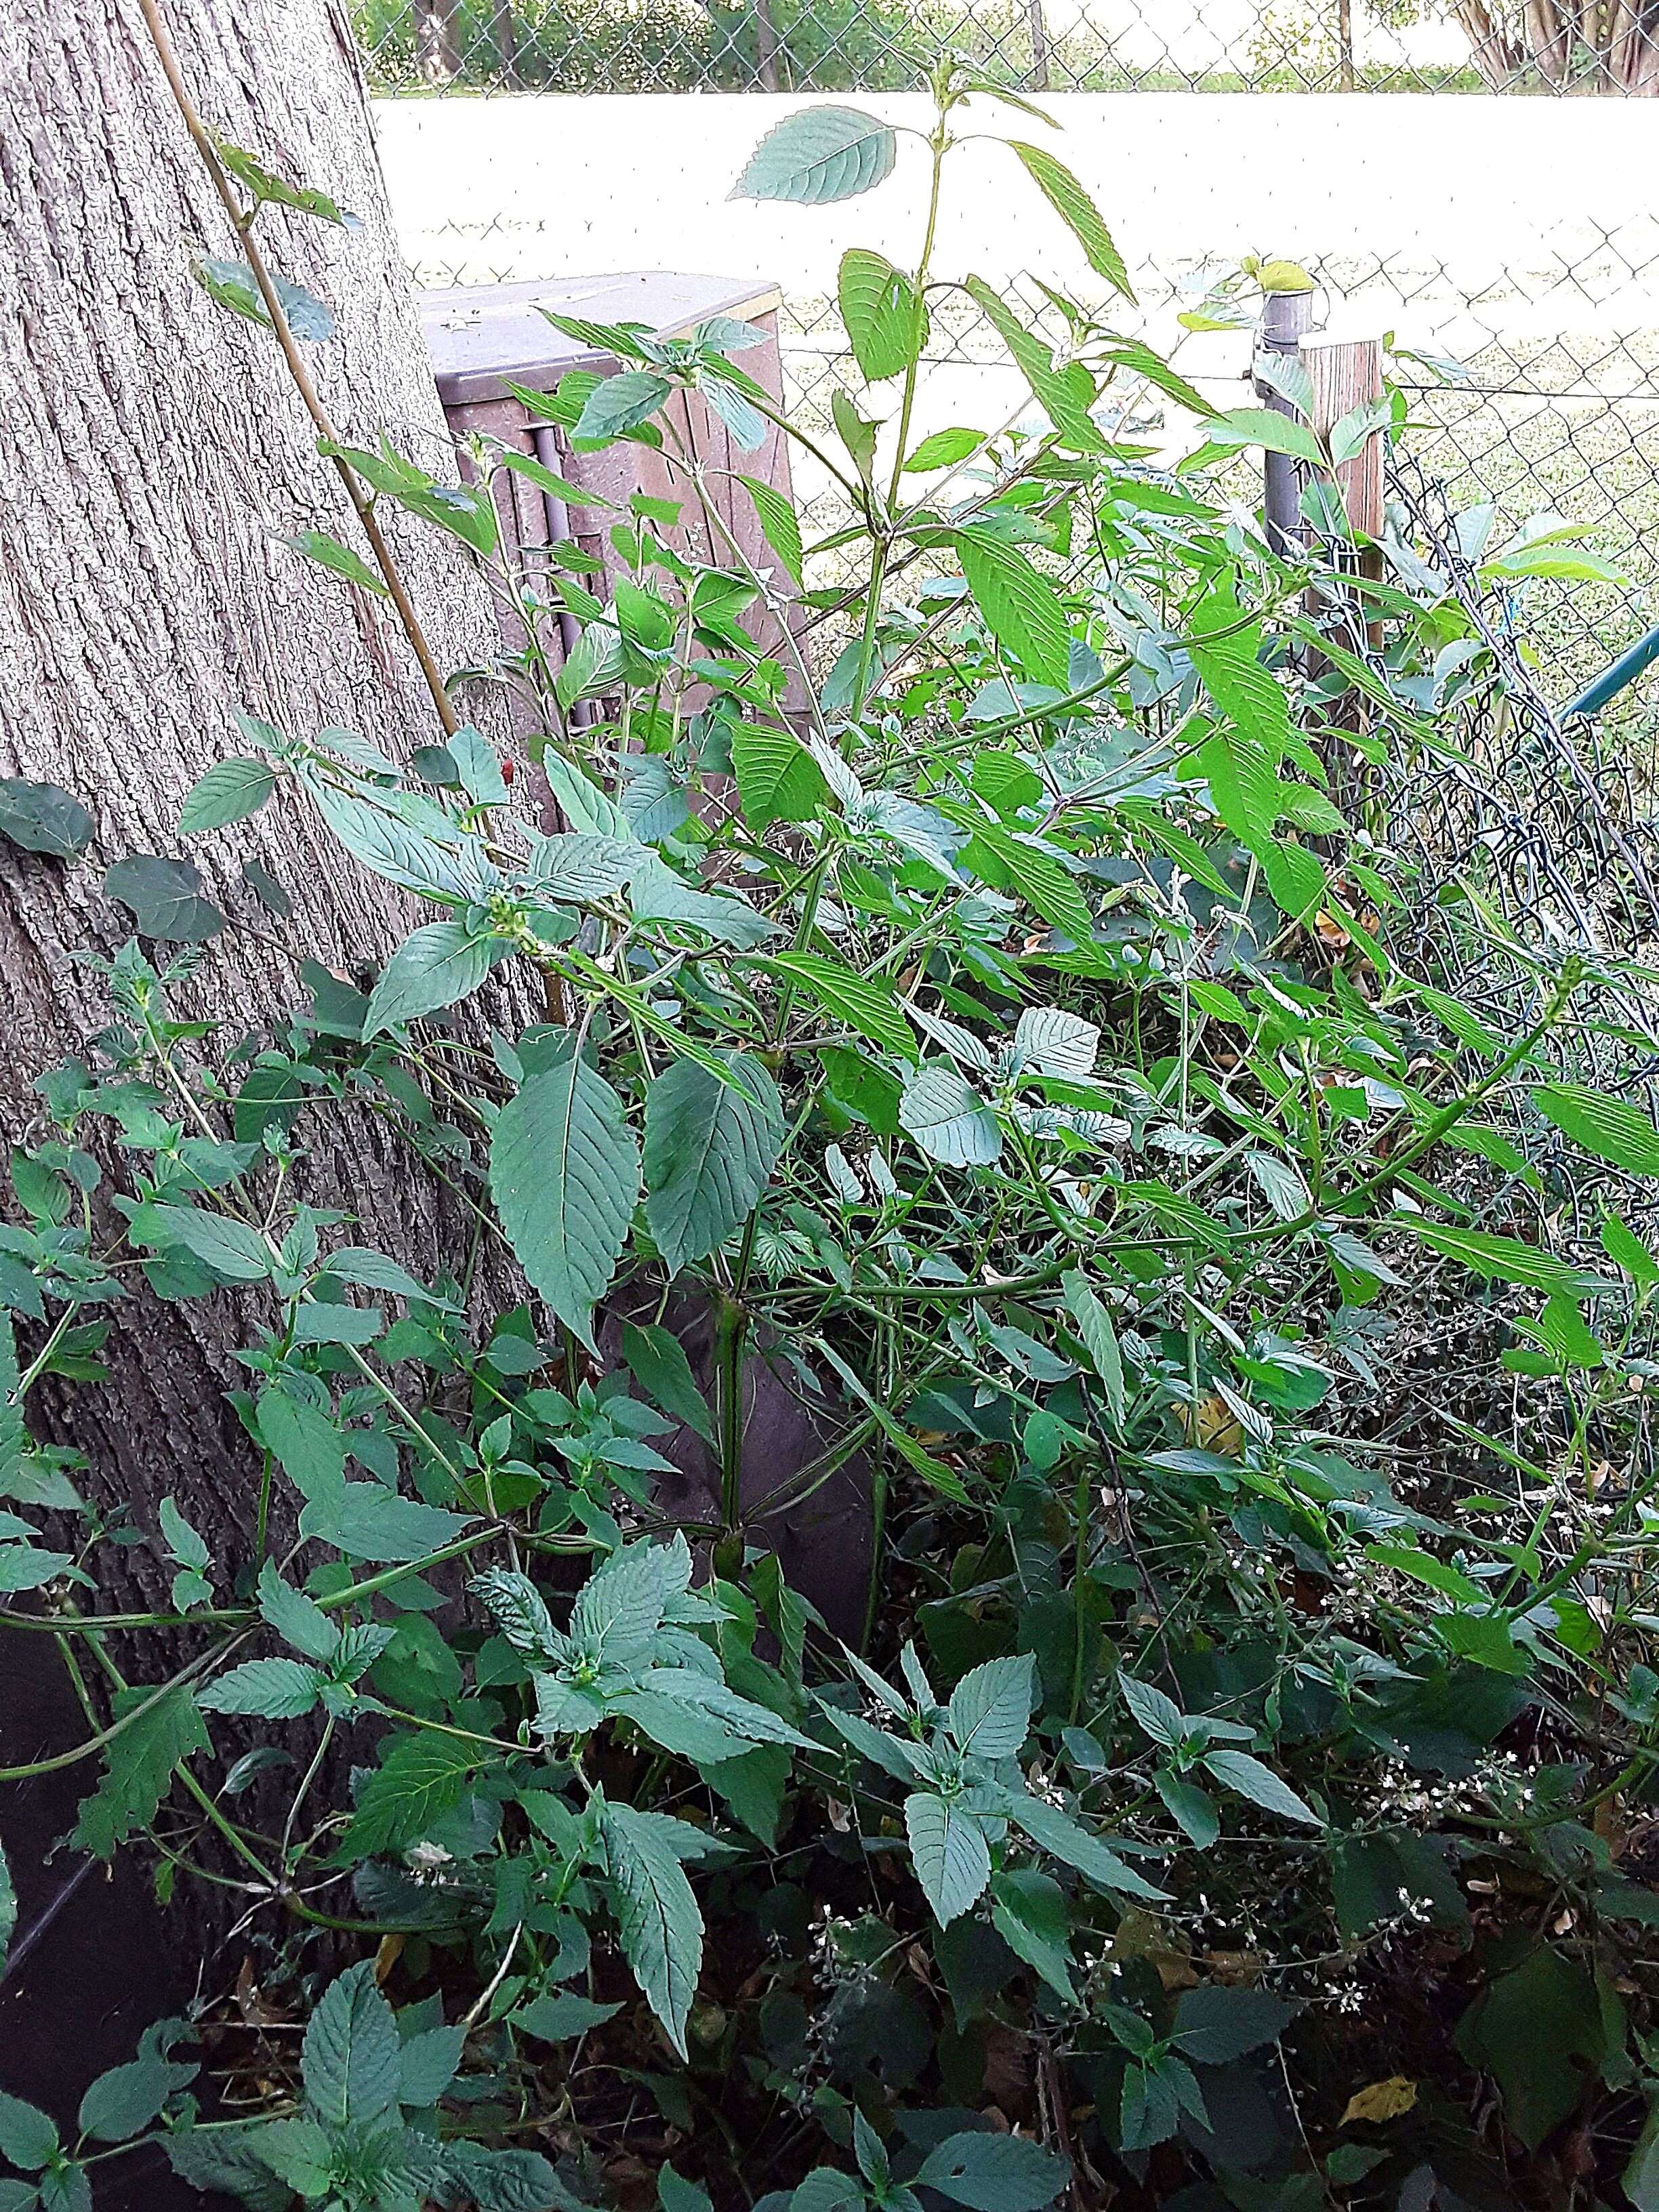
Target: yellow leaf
{"type": "Point", "coordinates": [1213, 1424]}
{"type": "Point", "coordinates": [1383, 2100]}
{"type": "Point", "coordinates": [1278, 275]}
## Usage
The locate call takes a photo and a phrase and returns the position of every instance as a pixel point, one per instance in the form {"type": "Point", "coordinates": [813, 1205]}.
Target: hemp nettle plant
{"type": "Point", "coordinates": [973, 1019]}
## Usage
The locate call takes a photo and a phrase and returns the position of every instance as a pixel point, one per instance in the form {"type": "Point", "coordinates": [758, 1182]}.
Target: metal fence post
{"type": "Point", "coordinates": [1286, 316]}
{"type": "Point", "coordinates": [1039, 29]}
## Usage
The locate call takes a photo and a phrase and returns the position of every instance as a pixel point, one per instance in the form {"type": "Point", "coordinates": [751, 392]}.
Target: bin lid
{"type": "Point", "coordinates": [481, 336]}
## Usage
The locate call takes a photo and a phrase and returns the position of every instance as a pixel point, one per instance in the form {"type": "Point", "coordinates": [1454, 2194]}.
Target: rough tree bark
{"type": "Point", "coordinates": [1619, 38]}
{"type": "Point", "coordinates": [156, 454]}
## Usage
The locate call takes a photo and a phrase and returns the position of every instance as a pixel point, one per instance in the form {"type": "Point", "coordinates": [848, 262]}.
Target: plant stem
{"type": "Point", "coordinates": [363, 501]}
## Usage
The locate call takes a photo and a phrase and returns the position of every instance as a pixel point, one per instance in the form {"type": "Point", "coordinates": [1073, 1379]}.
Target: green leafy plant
{"type": "Point", "coordinates": [973, 1015]}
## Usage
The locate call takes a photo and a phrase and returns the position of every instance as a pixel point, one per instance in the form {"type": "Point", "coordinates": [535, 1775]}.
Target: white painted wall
{"type": "Point", "coordinates": [1511, 195]}
{"type": "Point", "coordinates": [1411, 207]}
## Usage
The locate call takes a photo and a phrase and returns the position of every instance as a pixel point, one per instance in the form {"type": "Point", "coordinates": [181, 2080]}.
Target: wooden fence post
{"type": "Point", "coordinates": [1344, 374]}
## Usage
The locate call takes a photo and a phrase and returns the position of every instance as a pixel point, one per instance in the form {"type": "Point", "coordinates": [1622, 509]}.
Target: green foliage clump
{"type": "Point", "coordinates": [1009, 1031]}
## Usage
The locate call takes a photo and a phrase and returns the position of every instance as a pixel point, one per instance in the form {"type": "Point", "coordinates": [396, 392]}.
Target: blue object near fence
{"type": "Point", "coordinates": [1612, 681]}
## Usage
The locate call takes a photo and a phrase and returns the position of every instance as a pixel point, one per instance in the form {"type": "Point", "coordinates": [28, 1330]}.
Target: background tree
{"type": "Point", "coordinates": [1613, 44]}
{"type": "Point", "coordinates": [158, 456]}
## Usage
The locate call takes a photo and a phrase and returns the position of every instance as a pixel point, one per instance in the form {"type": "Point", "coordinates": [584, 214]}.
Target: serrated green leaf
{"type": "Point", "coordinates": [885, 321]}
{"type": "Point", "coordinates": [779, 524]}
{"type": "Point", "coordinates": [578, 867]}
{"type": "Point", "coordinates": [1067, 1840]}
{"type": "Point", "coordinates": [270, 1689]}
{"type": "Point", "coordinates": [618, 1608]}
{"type": "Point", "coordinates": [824, 2189]}
{"type": "Point", "coordinates": [1065, 395]}
{"type": "Point", "coordinates": [950, 1853]}
{"type": "Point", "coordinates": [1100, 1341]}
{"type": "Point", "coordinates": [350, 2059]}
{"type": "Point", "coordinates": [1021, 865]}
{"type": "Point", "coordinates": [185, 1544]}
{"type": "Point", "coordinates": [1021, 608]}
{"type": "Point", "coordinates": [657, 1360]}
{"type": "Point", "coordinates": [620, 404]}
{"type": "Point", "coordinates": [1261, 426]}
{"type": "Point", "coordinates": [1069, 200]}
{"type": "Point", "coordinates": [1612, 1129]}
{"type": "Point", "coordinates": [1539, 2032]}
{"type": "Point", "coordinates": [745, 423]}
{"type": "Point", "coordinates": [778, 780]}
{"type": "Point", "coordinates": [466, 511]}
{"type": "Point", "coordinates": [1215, 2025]}
{"type": "Point", "coordinates": [1251, 1779]}
{"type": "Point", "coordinates": [167, 899]}
{"type": "Point", "coordinates": [24, 1568]}
{"type": "Point", "coordinates": [995, 2173]}
{"type": "Point", "coordinates": [422, 1778]}
{"type": "Point", "coordinates": [658, 1923]}
{"type": "Point", "coordinates": [818, 155]}
{"type": "Point", "coordinates": [309, 1446]}
{"type": "Point", "coordinates": [1029, 1911]}
{"type": "Point", "coordinates": [861, 1001]}
{"type": "Point", "coordinates": [229, 792]}
{"type": "Point", "coordinates": [367, 1520]}
{"type": "Point", "coordinates": [298, 1620]}
{"type": "Point", "coordinates": [564, 1172]}
{"type": "Point", "coordinates": [660, 896]}
{"type": "Point", "coordinates": [328, 553]}
{"type": "Point", "coordinates": [558, 2018]}
{"type": "Point", "coordinates": [433, 968]}
{"type": "Point", "coordinates": [234, 1249]}
{"type": "Point", "coordinates": [28, 2138]}
{"type": "Point", "coordinates": [139, 1766]}
{"type": "Point", "coordinates": [426, 2064]}
{"type": "Point", "coordinates": [753, 1785]}
{"type": "Point", "coordinates": [1054, 1041]}
{"type": "Point", "coordinates": [328, 1321]}
{"type": "Point", "coordinates": [943, 450]}
{"type": "Point", "coordinates": [374, 1271]}
{"type": "Point", "coordinates": [676, 2194]}
{"type": "Point", "coordinates": [125, 2101]}
{"type": "Point", "coordinates": [1499, 1257]}
{"type": "Point", "coordinates": [265, 185]}
{"type": "Point", "coordinates": [947, 1117]}
{"type": "Point", "coordinates": [232, 284]}
{"type": "Point", "coordinates": [990, 1710]}
{"type": "Point", "coordinates": [710, 1150]}
{"type": "Point", "coordinates": [1620, 1244]}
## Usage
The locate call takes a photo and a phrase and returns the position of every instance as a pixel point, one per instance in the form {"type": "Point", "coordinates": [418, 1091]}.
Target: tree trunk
{"type": "Point", "coordinates": [1495, 53]}
{"type": "Point", "coordinates": [1632, 57]}
{"type": "Point", "coordinates": [766, 47]}
{"type": "Point", "coordinates": [505, 31]}
{"type": "Point", "coordinates": [156, 454]}
{"type": "Point", "coordinates": [437, 56]}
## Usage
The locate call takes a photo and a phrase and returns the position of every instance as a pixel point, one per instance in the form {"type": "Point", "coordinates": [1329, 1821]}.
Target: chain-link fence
{"type": "Point", "coordinates": [1552, 402]}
